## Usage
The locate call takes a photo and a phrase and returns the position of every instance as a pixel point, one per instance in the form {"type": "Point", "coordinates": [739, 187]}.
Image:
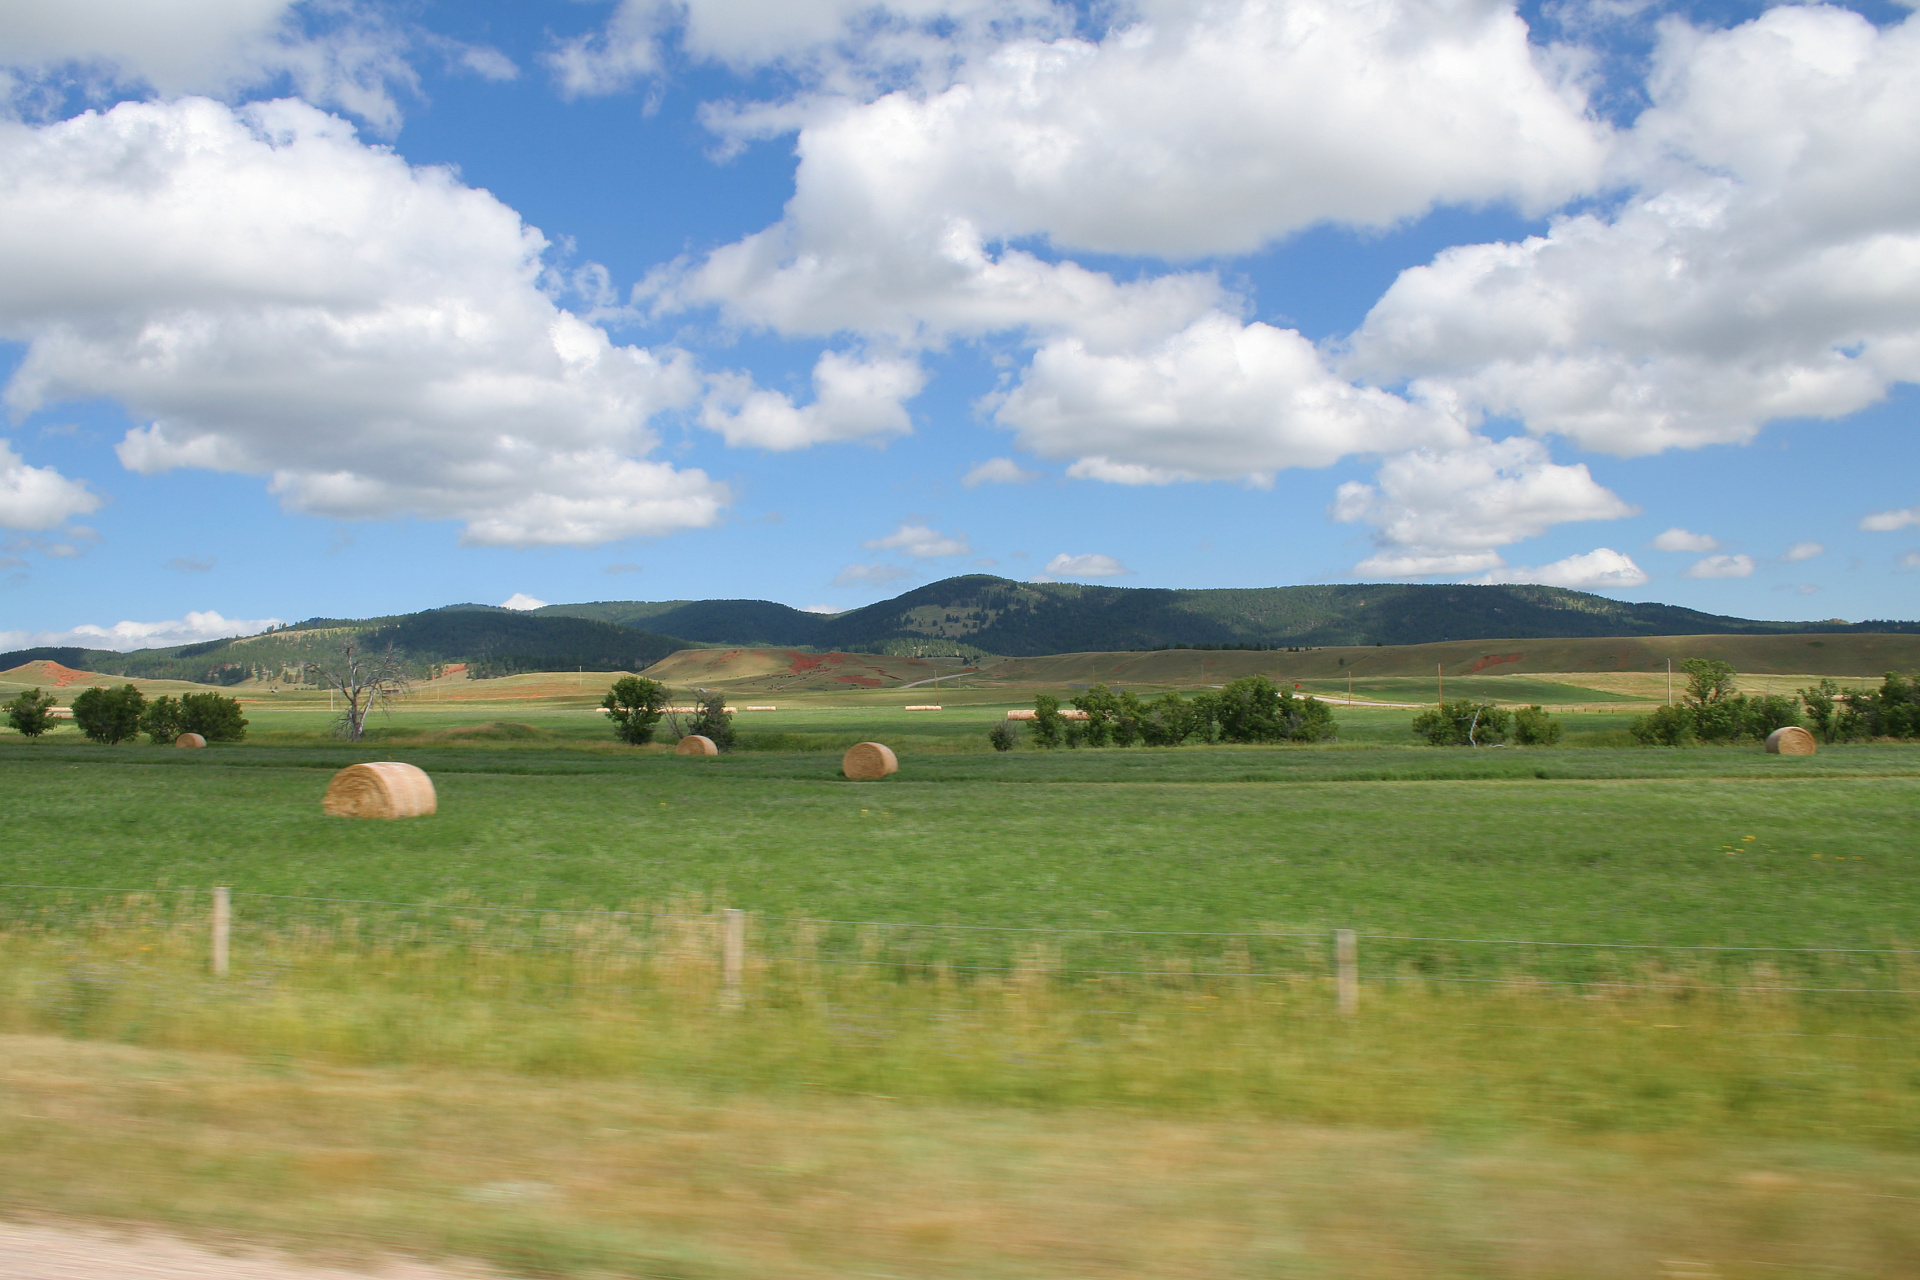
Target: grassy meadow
{"type": "Point", "coordinates": [1024, 1015]}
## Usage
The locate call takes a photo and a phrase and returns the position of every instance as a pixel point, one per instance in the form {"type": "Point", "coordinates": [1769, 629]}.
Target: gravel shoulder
{"type": "Point", "coordinates": [62, 1251]}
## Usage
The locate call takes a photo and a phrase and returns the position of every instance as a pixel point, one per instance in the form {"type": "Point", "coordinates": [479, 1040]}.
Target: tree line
{"type": "Point", "coordinates": [1251, 709]}
{"type": "Point", "coordinates": [114, 715]}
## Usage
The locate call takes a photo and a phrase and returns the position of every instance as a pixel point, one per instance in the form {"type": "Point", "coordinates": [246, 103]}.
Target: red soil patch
{"type": "Point", "coordinates": [1493, 660]}
{"type": "Point", "coordinates": [803, 662]}
{"type": "Point", "coordinates": [61, 676]}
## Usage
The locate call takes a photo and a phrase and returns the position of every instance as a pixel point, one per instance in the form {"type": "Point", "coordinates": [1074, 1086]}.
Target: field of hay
{"type": "Point", "coordinates": [1023, 1015]}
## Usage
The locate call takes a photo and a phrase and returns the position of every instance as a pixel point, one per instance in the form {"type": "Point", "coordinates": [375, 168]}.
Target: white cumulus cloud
{"type": "Point", "coordinates": [1445, 512]}
{"type": "Point", "coordinates": [1218, 399]}
{"type": "Point", "coordinates": [921, 541]}
{"type": "Point", "coordinates": [1602, 569]}
{"type": "Point", "coordinates": [996, 471]}
{"type": "Point", "coordinates": [1765, 263]}
{"type": "Point", "coordinates": [520, 600]}
{"type": "Point", "coordinates": [1090, 565]}
{"type": "Point", "coordinates": [343, 53]}
{"type": "Point", "coordinates": [1803, 551]}
{"type": "Point", "coordinates": [269, 295]}
{"type": "Point", "coordinates": [196, 626]}
{"type": "Point", "coordinates": [1677, 539]}
{"type": "Point", "coordinates": [39, 497]}
{"type": "Point", "coordinates": [854, 399]}
{"type": "Point", "coordinates": [1888, 521]}
{"type": "Point", "coordinates": [1721, 567]}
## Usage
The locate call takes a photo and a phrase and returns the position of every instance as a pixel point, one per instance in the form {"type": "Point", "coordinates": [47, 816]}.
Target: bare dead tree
{"type": "Point", "coordinates": [365, 681]}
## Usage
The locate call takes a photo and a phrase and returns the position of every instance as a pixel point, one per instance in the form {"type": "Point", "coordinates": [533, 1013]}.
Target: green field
{"type": "Point", "coordinates": [1072, 947]}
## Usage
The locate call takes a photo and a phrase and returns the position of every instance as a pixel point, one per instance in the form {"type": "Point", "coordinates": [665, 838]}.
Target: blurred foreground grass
{"type": "Point", "coordinates": [576, 1096]}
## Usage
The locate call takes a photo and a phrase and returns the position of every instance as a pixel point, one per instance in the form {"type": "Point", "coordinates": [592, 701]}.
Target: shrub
{"type": "Point", "coordinates": [31, 712]}
{"type": "Point", "coordinates": [634, 705]}
{"type": "Point", "coordinates": [213, 716]}
{"type": "Point", "coordinates": [1666, 727]}
{"type": "Point", "coordinates": [1462, 723]}
{"type": "Point", "coordinates": [1002, 736]}
{"type": "Point", "coordinates": [1048, 726]}
{"type": "Point", "coordinates": [163, 721]}
{"type": "Point", "coordinates": [1533, 727]}
{"type": "Point", "coordinates": [712, 721]}
{"type": "Point", "coordinates": [1167, 721]}
{"type": "Point", "coordinates": [1254, 709]}
{"type": "Point", "coordinates": [1761, 716]}
{"type": "Point", "coordinates": [109, 715]}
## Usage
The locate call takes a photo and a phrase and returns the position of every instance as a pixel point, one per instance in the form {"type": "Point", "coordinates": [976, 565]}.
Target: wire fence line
{"type": "Point", "coordinates": [268, 931]}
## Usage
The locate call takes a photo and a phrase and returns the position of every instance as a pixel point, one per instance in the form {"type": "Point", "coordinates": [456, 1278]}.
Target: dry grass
{"type": "Point", "coordinates": [644, 1179]}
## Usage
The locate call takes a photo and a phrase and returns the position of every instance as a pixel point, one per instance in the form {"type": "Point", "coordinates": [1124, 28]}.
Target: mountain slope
{"type": "Point", "coordinates": [1022, 619]}
{"type": "Point", "coordinates": [744, 622]}
{"type": "Point", "coordinates": [977, 613]}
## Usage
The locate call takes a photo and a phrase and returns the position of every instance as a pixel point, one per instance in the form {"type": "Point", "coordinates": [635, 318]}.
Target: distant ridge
{"type": "Point", "coordinates": [988, 614]}
{"type": "Point", "coordinates": [976, 614]}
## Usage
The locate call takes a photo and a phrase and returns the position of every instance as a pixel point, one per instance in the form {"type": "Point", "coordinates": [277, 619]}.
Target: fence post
{"type": "Point", "coordinates": [222, 927]}
{"type": "Point", "coordinates": [733, 955]}
{"type": "Point", "coordinates": [1346, 956]}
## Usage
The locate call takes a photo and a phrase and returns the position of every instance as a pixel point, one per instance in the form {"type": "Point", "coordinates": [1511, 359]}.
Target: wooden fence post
{"type": "Point", "coordinates": [1346, 955]}
{"type": "Point", "coordinates": [222, 927]}
{"type": "Point", "coordinates": [733, 955]}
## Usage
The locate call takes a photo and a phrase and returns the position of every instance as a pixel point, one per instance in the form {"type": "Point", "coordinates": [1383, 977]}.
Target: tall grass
{"type": "Point", "coordinates": [1240, 1024]}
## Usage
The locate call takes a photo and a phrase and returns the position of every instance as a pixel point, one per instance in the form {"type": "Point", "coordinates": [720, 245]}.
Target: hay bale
{"type": "Point", "coordinates": [934, 706]}
{"type": "Point", "coordinates": [696, 744]}
{"type": "Point", "coordinates": [1020, 715]}
{"type": "Point", "coordinates": [379, 789]}
{"type": "Point", "coordinates": [869, 761]}
{"type": "Point", "coordinates": [1791, 741]}
{"type": "Point", "coordinates": [189, 740]}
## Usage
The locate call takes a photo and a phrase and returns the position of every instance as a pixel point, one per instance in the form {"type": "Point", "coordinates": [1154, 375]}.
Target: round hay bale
{"type": "Point", "coordinates": [189, 740]}
{"type": "Point", "coordinates": [869, 761]}
{"type": "Point", "coordinates": [1791, 741]}
{"type": "Point", "coordinates": [697, 744]}
{"type": "Point", "coordinates": [380, 789]}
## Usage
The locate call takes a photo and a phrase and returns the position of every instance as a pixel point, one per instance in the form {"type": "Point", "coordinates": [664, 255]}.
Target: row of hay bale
{"type": "Point", "coordinates": [390, 789]}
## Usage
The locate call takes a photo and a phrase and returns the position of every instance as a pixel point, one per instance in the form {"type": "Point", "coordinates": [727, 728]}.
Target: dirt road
{"type": "Point", "coordinates": [44, 1251]}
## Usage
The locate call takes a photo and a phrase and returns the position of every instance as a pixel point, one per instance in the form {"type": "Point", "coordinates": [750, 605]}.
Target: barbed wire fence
{"type": "Point", "coordinates": [611, 951]}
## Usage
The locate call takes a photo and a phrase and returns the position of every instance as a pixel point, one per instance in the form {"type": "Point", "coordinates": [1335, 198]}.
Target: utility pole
{"type": "Point", "coordinates": [1669, 681]}
{"type": "Point", "coordinates": [1441, 675]}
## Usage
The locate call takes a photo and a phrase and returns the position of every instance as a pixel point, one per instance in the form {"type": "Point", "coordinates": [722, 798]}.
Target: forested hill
{"type": "Point", "coordinates": [491, 641]}
{"type": "Point", "coordinates": [1024, 619]}
{"type": "Point", "coordinates": [973, 614]}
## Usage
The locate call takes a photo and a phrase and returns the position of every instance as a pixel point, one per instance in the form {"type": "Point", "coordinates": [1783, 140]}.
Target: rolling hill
{"type": "Point", "coordinates": [976, 615]}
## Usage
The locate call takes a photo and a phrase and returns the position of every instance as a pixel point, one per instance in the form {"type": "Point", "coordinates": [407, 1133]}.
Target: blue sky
{"type": "Point", "coordinates": [355, 308]}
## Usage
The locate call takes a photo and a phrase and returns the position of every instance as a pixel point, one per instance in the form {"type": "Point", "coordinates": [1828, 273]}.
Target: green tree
{"type": "Point", "coordinates": [1666, 727]}
{"type": "Point", "coordinates": [1167, 721]}
{"type": "Point", "coordinates": [31, 712]}
{"type": "Point", "coordinates": [163, 721]}
{"type": "Point", "coordinates": [1533, 727]}
{"type": "Point", "coordinates": [1708, 681]}
{"type": "Point", "coordinates": [1002, 736]}
{"type": "Point", "coordinates": [1111, 719]}
{"type": "Point", "coordinates": [1462, 723]}
{"type": "Point", "coordinates": [213, 716]}
{"type": "Point", "coordinates": [713, 720]}
{"type": "Point", "coordinates": [1892, 710]}
{"type": "Point", "coordinates": [634, 706]}
{"type": "Point", "coordinates": [109, 715]}
{"type": "Point", "coordinates": [1824, 703]}
{"type": "Point", "coordinates": [1048, 726]}
{"type": "Point", "coordinates": [1762, 715]}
